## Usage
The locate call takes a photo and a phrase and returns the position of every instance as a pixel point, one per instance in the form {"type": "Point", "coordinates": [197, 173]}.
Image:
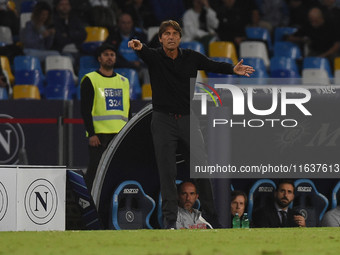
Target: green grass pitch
{"type": "Point", "coordinates": [182, 242]}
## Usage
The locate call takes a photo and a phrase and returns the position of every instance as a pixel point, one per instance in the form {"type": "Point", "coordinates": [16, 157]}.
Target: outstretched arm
{"type": "Point", "coordinates": [135, 44]}
{"type": "Point", "coordinates": [144, 53]}
{"type": "Point", "coordinates": [241, 69]}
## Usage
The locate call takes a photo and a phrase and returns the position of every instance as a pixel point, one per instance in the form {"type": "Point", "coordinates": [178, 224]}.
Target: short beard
{"type": "Point", "coordinates": [280, 204]}
{"type": "Point", "coordinates": [188, 208]}
{"type": "Point", "coordinates": [108, 67]}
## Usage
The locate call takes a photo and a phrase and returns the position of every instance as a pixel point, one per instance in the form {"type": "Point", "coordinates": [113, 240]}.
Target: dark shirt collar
{"type": "Point", "coordinates": [280, 209]}
{"type": "Point", "coordinates": [113, 74]}
{"type": "Point", "coordinates": [180, 52]}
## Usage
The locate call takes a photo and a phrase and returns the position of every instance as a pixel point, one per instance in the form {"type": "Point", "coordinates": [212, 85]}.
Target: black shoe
{"type": "Point", "coordinates": [212, 219]}
{"type": "Point", "coordinates": [170, 224]}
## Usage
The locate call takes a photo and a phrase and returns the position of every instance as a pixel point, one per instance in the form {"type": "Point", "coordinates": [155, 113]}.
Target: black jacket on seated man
{"type": "Point", "coordinates": [267, 217]}
{"type": "Point", "coordinates": [278, 214]}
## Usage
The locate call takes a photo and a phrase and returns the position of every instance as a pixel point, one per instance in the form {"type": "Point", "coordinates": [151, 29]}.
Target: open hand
{"type": "Point", "coordinates": [241, 69]}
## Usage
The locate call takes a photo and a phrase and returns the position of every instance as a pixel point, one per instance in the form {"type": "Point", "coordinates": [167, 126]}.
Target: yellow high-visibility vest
{"type": "Point", "coordinates": [111, 102]}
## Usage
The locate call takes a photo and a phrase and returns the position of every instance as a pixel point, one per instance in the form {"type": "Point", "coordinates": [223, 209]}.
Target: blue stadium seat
{"type": "Point", "coordinates": [287, 49]}
{"type": "Point", "coordinates": [88, 62]}
{"type": "Point", "coordinates": [60, 85]}
{"type": "Point", "coordinates": [259, 77]}
{"type": "Point", "coordinates": [318, 63]}
{"type": "Point", "coordinates": [335, 195]}
{"type": "Point", "coordinates": [132, 76]}
{"type": "Point", "coordinates": [281, 32]}
{"type": "Point", "coordinates": [194, 45]}
{"type": "Point", "coordinates": [257, 63]}
{"type": "Point", "coordinates": [27, 6]}
{"type": "Point", "coordinates": [28, 63]}
{"type": "Point", "coordinates": [91, 47]}
{"type": "Point", "coordinates": [30, 77]}
{"type": "Point", "coordinates": [280, 62]}
{"type": "Point", "coordinates": [131, 208]}
{"type": "Point", "coordinates": [259, 33]}
{"type": "Point", "coordinates": [260, 195]}
{"type": "Point", "coordinates": [309, 202]}
{"type": "Point", "coordinates": [285, 76]}
{"type": "Point", "coordinates": [3, 93]}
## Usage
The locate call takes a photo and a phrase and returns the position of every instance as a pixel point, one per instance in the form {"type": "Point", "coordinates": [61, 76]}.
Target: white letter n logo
{"type": "Point", "coordinates": [5, 143]}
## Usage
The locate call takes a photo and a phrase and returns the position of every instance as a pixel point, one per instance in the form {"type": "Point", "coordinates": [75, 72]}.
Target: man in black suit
{"type": "Point", "coordinates": [279, 215]}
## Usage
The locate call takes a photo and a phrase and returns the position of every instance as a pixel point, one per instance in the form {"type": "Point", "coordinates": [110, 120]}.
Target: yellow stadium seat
{"type": "Point", "coordinates": [11, 5]}
{"type": "Point", "coordinates": [337, 63]}
{"type": "Point", "coordinates": [146, 92]}
{"type": "Point", "coordinates": [6, 66]}
{"type": "Point", "coordinates": [203, 74]}
{"type": "Point", "coordinates": [223, 49]}
{"type": "Point", "coordinates": [96, 34]}
{"type": "Point", "coordinates": [26, 92]}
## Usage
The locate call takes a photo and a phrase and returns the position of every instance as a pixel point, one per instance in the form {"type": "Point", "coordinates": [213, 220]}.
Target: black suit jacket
{"type": "Point", "coordinates": [267, 217]}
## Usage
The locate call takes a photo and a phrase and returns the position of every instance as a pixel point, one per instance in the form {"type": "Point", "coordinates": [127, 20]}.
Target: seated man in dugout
{"type": "Point", "coordinates": [238, 203]}
{"type": "Point", "coordinates": [187, 216]}
{"type": "Point", "coordinates": [278, 215]}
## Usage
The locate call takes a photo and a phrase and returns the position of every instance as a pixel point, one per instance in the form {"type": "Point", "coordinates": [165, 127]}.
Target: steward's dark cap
{"type": "Point", "coordinates": [103, 47]}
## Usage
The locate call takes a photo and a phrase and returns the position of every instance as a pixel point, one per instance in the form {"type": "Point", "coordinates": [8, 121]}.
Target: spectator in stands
{"type": "Point", "coordinates": [126, 57]}
{"type": "Point", "coordinates": [278, 214]}
{"type": "Point", "coordinates": [38, 35]}
{"type": "Point", "coordinates": [82, 9]}
{"type": "Point", "coordinates": [331, 218]}
{"type": "Point", "coordinates": [69, 29]}
{"type": "Point", "coordinates": [322, 37]}
{"type": "Point", "coordinates": [103, 14]}
{"type": "Point", "coordinates": [238, 203]}
{"type": "Point", "coordinates": [102, 118]}
{"type": "Point", "coordinates": [199, 23]}
{"type": "Point", "coordinates": [140, 12]}
{"type": "Point", "coordinates": [9, 18]}
{"type": "Point", "coordinates": [257, 21]}
{"type": "Point", "coordinates": [274, 12]}
{"type": "Point", "coordinates": [167, 10]}
{"type": "Point", "coordinates": [189, 217]}
{"type": "Point", "coordinates": [331, 11]}
{"type": "Point", "coordinates": [233, 18]}
{"type": "Point", "coordinates": [298, 11]}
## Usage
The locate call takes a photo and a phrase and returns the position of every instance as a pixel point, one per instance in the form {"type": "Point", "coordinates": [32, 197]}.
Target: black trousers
{"type": "Point", "coordinates": [170, 132]}
{"type": "Point", "coordinates": [95, 154]}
